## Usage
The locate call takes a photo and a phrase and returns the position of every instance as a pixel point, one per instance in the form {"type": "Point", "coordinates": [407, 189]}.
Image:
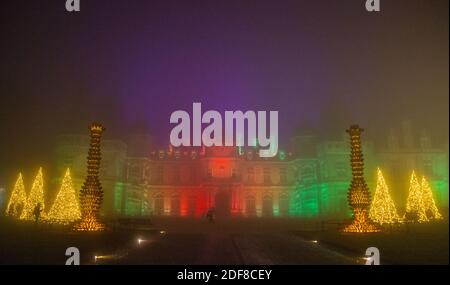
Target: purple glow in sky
{"type": "Point", "coordinates": [322, 64]}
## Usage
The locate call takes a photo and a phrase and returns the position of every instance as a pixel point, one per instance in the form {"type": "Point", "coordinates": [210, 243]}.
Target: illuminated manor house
{"type": "Point", "coordinates": [310, 179]}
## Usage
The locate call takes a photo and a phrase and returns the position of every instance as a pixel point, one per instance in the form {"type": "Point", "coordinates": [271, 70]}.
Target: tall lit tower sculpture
{"type": "Point", "coordinates": [358, 194]}
{"type": "Point", "coordinates": [91, 194]}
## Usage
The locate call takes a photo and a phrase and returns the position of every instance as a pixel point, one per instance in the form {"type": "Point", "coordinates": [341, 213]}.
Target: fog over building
{"type": "Point", "coordinates": [310, 179]}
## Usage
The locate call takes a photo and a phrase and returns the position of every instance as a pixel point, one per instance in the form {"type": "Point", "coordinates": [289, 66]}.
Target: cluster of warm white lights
{"type": "Point", "coordinates": [17, 200]}
{"type": "Point", "coordinates": [35, 198]}
{"type": "Point", "coordinates": [382, 210]}
{"type": "Point", "coordinates": [420, 205]}
{"type": "Point", "coordinates": [65, 209]}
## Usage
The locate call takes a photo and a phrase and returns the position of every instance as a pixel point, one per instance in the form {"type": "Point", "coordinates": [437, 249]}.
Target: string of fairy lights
{"type": "Point", "coordinates": [18, 198]}
{"type": "Point", "coordinates": [91, 194]}
{"type": "Point", "coordinates": [64, 210]}
{"type": "Point", "coordinates": [358, 194]}
{"type": "Point", "coordinates": [420, 207]}
{"type": "Point", "coordinates": [35, 199]}
{"type": "Point", "coordinates": [383, 210]}
{"type": "Point", "coordinates": [83, 211]}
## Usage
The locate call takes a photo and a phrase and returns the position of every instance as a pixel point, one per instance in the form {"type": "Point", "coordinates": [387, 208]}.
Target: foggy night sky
{"type": "Point", "coordinates": [323, 64]}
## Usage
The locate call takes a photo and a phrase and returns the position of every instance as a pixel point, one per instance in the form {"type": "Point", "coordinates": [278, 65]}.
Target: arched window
{"type": "Point", "coordinates": [250, 206]}
{"type": "Point", "coordinates": [159, 205]}
{"type": "Point", "coordinates": [266, 176]}
{"type": "Point", "coordinates": [175, 205]}
{"type": "Point", "coordinates": [191, 205]}
{"type": "Point", "coordinates": [267, 207]}
{"type": "Point", "coordinates": [284, 205]}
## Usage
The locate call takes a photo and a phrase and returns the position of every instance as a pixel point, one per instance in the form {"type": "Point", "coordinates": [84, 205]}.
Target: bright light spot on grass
{"type": "Point", "coordinates": [140, 241]}
{"type": "Point", "coordinates": [100, 257]}
{"type": "Point", "coordinates": [363, 260]}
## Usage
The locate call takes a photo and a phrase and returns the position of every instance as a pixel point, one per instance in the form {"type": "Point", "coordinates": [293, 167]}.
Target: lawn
{"type": "Point", "coordinates": [30, 243]}
{"type": "Point", "coordinates": [405, 244]}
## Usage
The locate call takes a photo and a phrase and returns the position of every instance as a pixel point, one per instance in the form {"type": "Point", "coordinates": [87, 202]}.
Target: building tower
{"type": "Point", "coordinates": [358, 194]}
{"type": "Point", "coordinates": [91, 194]}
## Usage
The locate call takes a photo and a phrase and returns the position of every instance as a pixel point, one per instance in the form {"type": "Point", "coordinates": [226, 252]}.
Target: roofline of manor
{"type": "Point", "coordinates": [193, 153]}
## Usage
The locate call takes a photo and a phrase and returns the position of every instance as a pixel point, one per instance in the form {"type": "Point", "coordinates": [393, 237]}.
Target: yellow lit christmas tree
{"type": "Point", "coordinates": [17, 200]}
{"type": "Point", "coordinates": [35, 198]}
{"type": "Point", "coordinates": [415, 208]}
{"type": "Point", "coordinates": [431, 211]}
{"type": "Point", "coordinates": [358, 194]}
{"type": "Point", "coordinates": [65, 209]}
{"type": "Point", "coordinates": [382, 210]}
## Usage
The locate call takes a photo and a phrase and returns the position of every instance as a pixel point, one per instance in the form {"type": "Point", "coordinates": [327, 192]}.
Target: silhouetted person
{"type": "Point", "coordinates": [210, 215]}
{"type": "Point", "coordinates": [12, 207]}
{"type": "Point", "coordinates": [37, 212]}
{"type": "Point", "coordinates": [19, 208]}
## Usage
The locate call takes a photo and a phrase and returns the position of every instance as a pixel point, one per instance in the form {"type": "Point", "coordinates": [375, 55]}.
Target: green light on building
{"type": "Point", "coordinates": [440, 192]}
{"type": "Point", "coordinates": [282, 155]}
{"type": "Point", "coordinates": [119, 190]}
